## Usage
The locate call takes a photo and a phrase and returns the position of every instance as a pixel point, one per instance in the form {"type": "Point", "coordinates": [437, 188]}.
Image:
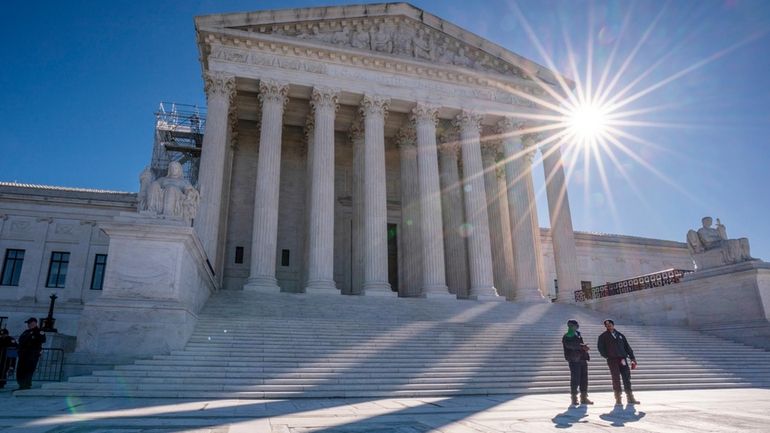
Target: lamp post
{"type": "Point", "coordinates": [48, 322]}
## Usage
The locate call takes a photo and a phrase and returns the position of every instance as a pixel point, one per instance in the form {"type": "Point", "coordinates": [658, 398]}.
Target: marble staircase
{"type": "Point", "coordinates": [256, 345]}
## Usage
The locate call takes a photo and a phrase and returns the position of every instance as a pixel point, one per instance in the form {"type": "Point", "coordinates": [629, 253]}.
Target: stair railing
{"type": "Point", "coordinates": [648, 281]}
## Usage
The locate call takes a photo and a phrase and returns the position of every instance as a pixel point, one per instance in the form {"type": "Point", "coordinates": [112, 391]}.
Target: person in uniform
{"type": "Point", "coordinates": [7, 344]}
{"type": "Point", "coordinates": [30, 347]}
{"type": "Point", "coordinates": [576, 354]}
{"type": "Point", "coordinates": [614, 347]}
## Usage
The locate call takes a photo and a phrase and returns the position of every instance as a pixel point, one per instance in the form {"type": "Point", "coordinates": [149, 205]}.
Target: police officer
{"type": "Point", "coordinates": [614, 347]}
{"type": "Point", "coordinates": [7, 343]}
{"type": "Point", "coordinates": [30, 347]}
{"type": "Point", "coordinates": [576, 354]}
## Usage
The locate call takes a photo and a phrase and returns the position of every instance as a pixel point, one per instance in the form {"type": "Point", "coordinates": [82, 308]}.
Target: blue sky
{"type": "Point", "coordinates": [79, 83]}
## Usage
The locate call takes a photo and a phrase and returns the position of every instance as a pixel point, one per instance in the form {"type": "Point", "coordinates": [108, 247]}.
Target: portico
{"type": "Point", "coordinates": [325, 129]}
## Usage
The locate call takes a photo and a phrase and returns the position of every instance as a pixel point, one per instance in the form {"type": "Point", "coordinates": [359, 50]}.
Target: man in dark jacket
{"type": "Point", "coordinates": [614, 347]}
{"type": "Point", "coordinates": [576, 354]}
{"type": "Point", "coordinates": [7, 344]}
{"type": "Point", "coordinates": [30, 347]}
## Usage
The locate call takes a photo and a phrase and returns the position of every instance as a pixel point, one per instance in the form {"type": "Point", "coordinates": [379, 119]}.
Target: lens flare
{"type": "Point", "coordinates": [587, 121]}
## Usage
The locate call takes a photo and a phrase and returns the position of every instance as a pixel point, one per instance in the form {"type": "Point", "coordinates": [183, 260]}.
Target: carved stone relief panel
{"type": "Point", "coordinates": [399, 36]}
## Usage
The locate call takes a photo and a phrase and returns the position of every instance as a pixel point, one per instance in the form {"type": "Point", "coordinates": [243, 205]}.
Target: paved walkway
{"type": "Point", "coordinates": [733, 410]}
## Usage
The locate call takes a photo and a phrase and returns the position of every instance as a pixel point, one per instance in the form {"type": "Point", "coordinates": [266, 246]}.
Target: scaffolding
{"type": "Point", "coordinates": [178, 137]}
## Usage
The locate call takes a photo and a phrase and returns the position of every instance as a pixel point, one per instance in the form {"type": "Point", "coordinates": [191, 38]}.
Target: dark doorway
{"type": "Point", "coordinates": [393, 256]}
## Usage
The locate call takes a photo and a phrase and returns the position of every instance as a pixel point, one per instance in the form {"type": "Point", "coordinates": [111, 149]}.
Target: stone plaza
{"type": "Point", "coordinates": [355, 247]}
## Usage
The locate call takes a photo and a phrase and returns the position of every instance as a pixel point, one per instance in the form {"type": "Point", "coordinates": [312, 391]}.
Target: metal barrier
{"type": "Point", "coordinates": [657, 279]}
{"type": "Point", "coordinates": [49, 366]}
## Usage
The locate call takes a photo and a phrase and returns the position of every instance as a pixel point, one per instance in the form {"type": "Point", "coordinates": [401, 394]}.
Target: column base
{"type": "Point", "coordinates": [437, 292]}
{"type": "Point", "coordinates": [529, 295]}
{"type": "Point", "coordinates": [262, 284]}
{"type": "Point", "coordinates": [487, 298]}
{"type": "Point", "coordinates": [381, 293]}
{"type": "Point", "coordinates": [377, 288]}
{"type": "Point", "coordinates": [321, 287]}
{"type": "Point", "coordinates": [485, 294]}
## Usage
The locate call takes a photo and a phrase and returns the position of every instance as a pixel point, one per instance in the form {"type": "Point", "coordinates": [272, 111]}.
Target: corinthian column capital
{"type": "Point", "coordinates": [324, 97]}
{"type": "Point", "coordinates": [356, 131]}
{"type": "Point", "coordinates": [309, 127]}
{"type": "Point", "coordinates": [373, 105]}
{"type": "Point", "coordinates": [219, 84]}
{"type": "Point", "coordinates": [529, 143]}
{"type": "Point", "coordinates": [468, 121]}
{"type": "Point", "coordinates": [490, 149]}
{"type": "Point", "coordinates": [273, 91]}
{"type": "Point", "coordinates": [425, 113]}
{"type": "Point", "coordinates": [407, 136]}
{"type": "Point", "coordinates": [509, 125]}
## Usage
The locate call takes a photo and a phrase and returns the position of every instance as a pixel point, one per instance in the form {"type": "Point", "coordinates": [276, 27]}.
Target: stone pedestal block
{"type": "Point", "coordinates": [157, 280]}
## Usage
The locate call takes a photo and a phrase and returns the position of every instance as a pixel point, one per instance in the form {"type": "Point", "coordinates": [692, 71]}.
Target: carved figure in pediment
{"type": "Point", "coordinates": [315, 33]}
{"type": "Point", "coordinates": [169, 196]}
{"type": "Point", "coordinates": [402, 40]}
{"type": "Point", "coordinates": [444, 54]}
{"type": "Point", "coordinates": [360, 38]}
{"type": "Point", "coordinates": [341, 37]}
{"type": "Point", "coordinates": [422, 44]}
{"type": "Point", "coordinates": [462, 59]}
{"type": "Point", "coordinates": [382, 39]}
{"type": "Point", "coordinates": [710, 247]}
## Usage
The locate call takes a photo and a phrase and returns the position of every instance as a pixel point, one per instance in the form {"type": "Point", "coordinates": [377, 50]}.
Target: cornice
{"type": "Point", "coordinates": [234, 46]}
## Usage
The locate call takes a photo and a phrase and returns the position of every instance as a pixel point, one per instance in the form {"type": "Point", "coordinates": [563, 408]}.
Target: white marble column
{"type": "Point", "coordinates": [220, 92]}
{"type": "Point", "coordinates": [456, 258]}
{"type": "Point", "coordinates": [321, 224]}
{"type": "Point", "coordinates": [562, 234]}
{"type": "Point", "coordinates": [475, 201]}
{"type": "Point", "coordinates": [409, 235]}
{"type": "Point", "coordinates": [309, 132]}
{"type": "Point", "coordinates": [356, 135]}
{"type": "Point", "coordinates": [523, 212]}
{"type": "Point", "coordinates": [272, 96]}
{"type": "Point", "coordinates": [505, 216]}
{"type": "Point", "coordinates": [433, 275]}
{"type": "Point", "coordinates": [373, 109]}
{"type": "Point", "coordinates": [502, 251]}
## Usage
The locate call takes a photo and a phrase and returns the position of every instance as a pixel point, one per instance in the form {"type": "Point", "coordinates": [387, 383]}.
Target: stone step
{"type": "Point", "coordinates": [203, 385]}
{"type": "Point", "coordinates": [395, 381]}
{"type": "Point", "coordinates": [428, 375]}
{"type": "Point", "coordinates": [255, 345]}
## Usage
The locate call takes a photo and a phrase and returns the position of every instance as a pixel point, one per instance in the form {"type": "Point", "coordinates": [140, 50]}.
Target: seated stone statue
{"type": "Point", "coordinates": [710, 247]}
{"type": "Point", "coordinates": [171, 196]}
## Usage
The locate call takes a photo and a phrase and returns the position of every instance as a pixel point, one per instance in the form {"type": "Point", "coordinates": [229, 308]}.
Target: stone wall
{"type": "Point", "coordinates": [40, 220]}
{"type": "Point", "coordinates": [730, 301]}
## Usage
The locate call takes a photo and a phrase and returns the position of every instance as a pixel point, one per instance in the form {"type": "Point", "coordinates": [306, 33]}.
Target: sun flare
{"type": "Point", "coordinates": [588, 122]}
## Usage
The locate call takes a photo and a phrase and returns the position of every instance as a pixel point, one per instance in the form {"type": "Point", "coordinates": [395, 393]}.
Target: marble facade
{"type": "Point", "coordinates": [353, 150]}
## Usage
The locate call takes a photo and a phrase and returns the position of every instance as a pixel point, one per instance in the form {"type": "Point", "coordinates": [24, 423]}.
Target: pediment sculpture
{"type": "Point", "coordinates": [710, 247]}
{"type": "Point", "coordinates": [398, 37]}
{"type": "Point", "coordinates": [171, 196]}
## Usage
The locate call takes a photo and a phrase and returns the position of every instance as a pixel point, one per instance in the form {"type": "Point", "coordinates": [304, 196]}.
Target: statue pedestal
{"type": "Point", "coordinates": [157, 280]}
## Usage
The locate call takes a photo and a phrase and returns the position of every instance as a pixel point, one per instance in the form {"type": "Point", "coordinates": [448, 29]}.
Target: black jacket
{"type": "Point", "coordinates": [573, 348]}
{"type": "Point", "coordinates": [614, 347]}
{"type": "Point", "coordinates": [31, 343]}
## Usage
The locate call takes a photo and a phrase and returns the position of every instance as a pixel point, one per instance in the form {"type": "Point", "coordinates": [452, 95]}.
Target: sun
{"type": "Point", "coordinates": [587, 122]}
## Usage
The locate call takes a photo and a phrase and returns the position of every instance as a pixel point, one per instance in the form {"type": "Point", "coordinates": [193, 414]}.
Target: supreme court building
{"type": "Point", "coordinates": [354, 150]}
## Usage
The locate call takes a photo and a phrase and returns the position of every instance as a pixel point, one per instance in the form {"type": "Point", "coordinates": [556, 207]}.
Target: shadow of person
{"type": "Point", "coordinates": [571, 416]}
{"type": "Point", "coordinates": [620, 416]}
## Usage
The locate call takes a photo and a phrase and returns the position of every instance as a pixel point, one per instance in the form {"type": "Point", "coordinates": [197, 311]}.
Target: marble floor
{"type": "Point", "coordinates": [731, 410]}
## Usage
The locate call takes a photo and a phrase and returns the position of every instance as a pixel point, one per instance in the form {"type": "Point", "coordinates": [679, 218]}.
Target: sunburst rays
{"type": "Point", "coordinates": [596, 118]}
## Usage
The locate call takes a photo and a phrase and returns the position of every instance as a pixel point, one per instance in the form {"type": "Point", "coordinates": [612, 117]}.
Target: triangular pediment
{"type": "Point", "coordinates": [391, 29]}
